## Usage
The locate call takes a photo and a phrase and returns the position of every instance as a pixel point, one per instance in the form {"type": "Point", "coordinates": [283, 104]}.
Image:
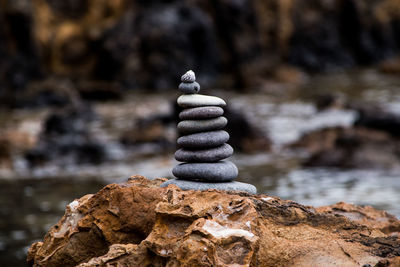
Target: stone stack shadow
{"type": "Point", "coordinates": [202, 143]}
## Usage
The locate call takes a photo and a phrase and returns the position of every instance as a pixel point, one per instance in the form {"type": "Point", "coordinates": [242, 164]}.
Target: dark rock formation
{"type": "Point", "coordinates": [373, 141]}
{"type": "Point", "coordinates": [342, 33]}
{"type": "Point", "coordinates": [66, 139]}
{"type": "Point", "coordinates": [20, 61]}
{"type": "Point", "coordinates": [138, 223]}
{"type": "Point", "coordinates": [379, 120]}
{"type": "Point", "coordinates": [107, 46]}
{"type": "Point", "coordinates": [356, 147]}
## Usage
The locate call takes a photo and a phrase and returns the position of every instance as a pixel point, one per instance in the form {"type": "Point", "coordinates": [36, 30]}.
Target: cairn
{"type": "Point", "coordinates": [202, 142]}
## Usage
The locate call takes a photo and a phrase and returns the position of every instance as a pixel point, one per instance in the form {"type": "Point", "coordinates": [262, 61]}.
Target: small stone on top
{"type": "Point", "coordinates": [188, 77]}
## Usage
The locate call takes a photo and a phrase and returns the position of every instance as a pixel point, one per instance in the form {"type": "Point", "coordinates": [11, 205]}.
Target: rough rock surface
{"type": "Point", "coordinates": [140, 224]}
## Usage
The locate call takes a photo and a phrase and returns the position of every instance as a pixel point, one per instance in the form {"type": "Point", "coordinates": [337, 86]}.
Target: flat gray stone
{"type": "Point", "coordinates": [221, 171]}
{"type": "Point", "coordinates": [197, 100]}
{"type": "Point", "coordinates": [201, 113]}
{"type": "Point", "coordinates": [228, 186]}
{"type": "Point", "coordinates": [196, 126]}
{"type": "Point", "coordinates": [189, 88]}
{"type": "Point", "coordinates": [204, 155]}
{"type": "Point", "coordinates": [203, 140]}
{"type": "Point", "coordinates": [188, 77]}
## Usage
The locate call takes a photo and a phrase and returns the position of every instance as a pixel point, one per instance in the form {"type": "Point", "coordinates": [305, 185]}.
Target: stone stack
{"type": "Point", "coordinates": [202, 142]}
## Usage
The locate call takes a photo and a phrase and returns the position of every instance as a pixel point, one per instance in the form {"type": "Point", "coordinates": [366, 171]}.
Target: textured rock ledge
{"type": "Point", "coordinates": [139, 224]}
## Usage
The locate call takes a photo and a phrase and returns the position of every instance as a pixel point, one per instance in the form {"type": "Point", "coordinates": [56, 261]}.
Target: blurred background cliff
{"type": "Point", "coordinates": [109, 46]}
{"type": "Point", "coordinates": [87, 91]}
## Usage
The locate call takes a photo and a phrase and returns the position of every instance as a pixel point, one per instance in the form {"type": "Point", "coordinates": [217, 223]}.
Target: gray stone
{"type": "Point", "coordinates": [188, 77]}
{"type": "Point", "coordinates": [222, 171]}
{"type": "Point", "coordinates": [201, 113]}
{"type": "Point", "coordinates": [196, 126]}
{"type": "Point", "coordinates": [203, 140]}
{"type": "Point", "coordinates": [189, 88]}
{"type": "Point", "coordinates": [197, 100]}
{"type": "Point", "coordinates": [204, 155]}
{"type": "Point", "coordinates": [228, 186]}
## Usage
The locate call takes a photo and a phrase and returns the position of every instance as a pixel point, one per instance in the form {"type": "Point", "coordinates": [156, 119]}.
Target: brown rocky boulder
{"type": "Point", "coordinates": [140, 224]}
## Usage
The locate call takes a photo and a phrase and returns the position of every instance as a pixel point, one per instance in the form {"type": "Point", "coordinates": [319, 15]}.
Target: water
{"type": "Point", "coordinates": [28, 208]}
{"type": "Point", "coordinates": [32, 201]}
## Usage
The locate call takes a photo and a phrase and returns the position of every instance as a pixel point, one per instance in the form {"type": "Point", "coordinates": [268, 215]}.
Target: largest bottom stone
{"type": "Point", "coordinates": [228, 186]}
{"type": "Point", "coordinates": [221, 171]}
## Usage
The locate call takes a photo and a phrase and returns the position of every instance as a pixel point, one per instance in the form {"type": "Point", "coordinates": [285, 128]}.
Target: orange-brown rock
{"type": "Point", "coordinates": [139, 224]}
{"type": "Point", "coordinates": [368, 216]}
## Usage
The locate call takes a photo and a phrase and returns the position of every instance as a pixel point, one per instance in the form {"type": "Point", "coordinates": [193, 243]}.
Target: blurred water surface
{"type": "Point", "coordinates": [32, 201]}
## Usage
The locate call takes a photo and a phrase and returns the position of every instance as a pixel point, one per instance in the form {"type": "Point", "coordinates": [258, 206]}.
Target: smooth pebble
{"type": "Point", "coordinates": [189, 88]}
{"type": "Point", "coordinates": [195, 126]}
{"type": "Point", "coordinates": [215, 172]}
{"type": "Point", "coordinates": [204, 155]}
{"type": "Point", "coordinates": [227, 186]}
{"type": "Point", "coordinates": [201, 113]}
{"type": "Point", "coordinates": [197, 100]}
{"type": "Point", "coordinates": [203, 140]}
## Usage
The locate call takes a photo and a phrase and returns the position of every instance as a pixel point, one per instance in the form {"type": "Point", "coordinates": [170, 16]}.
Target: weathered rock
{"type": "Point", "coordinates": [221, 171]}
{"type": "Point", "coordinates": [195, 126]}
{"type": "Point", "coordinates": [204, 155]}
{"type": "Point", "coordinates": [126, 255]}
{"type": "Point", "coordinates": [140, 223]}
{"type": "Point", "coordinates": [203, 140]}
{"type": "Point", "coordinates": [88, 231]}
{"type": "Point", "coordinates": [201, 113]}
{"type": "Point", "coordinates": [367, 215]}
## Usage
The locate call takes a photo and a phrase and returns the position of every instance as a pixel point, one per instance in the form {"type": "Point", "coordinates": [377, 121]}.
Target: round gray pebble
{"type": "Point", "coordinates": [228, 186]}
{"type": "Point", "coordinates": [189, 88]}
{"type": "Point", "coordinates": [188, 77]}
{"type": "Point", "coordinates": [201, 113]}
{"type": "Point", "coordinates": [195, 126]}
{"type": "Point", "coordinates": [222, 171]}
{"type": "Point", "coordinates": [204, 155]}
{"type": "Point", "coordinates": [203, 140]}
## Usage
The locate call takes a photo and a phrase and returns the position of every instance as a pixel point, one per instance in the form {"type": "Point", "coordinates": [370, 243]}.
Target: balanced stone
{"type": "Point", "coordinates": [197, 100]}
{"type": "Point", "coordinates": [227, 186]}
{"type": "Point", "coordinates": [201, 113]}
{"type": "Point", "coordinates": [214, 172]}
{"type": "Point", "coordinates": [189, 88]}
{"type": "Point", "coordinates": [188, 77]}
{"type": "Point", "coordinates": [195, 126]}
{"type": "Point", "coordinates": [204, 155]}
{"type": "Point", "coordinates": [203, 140]}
